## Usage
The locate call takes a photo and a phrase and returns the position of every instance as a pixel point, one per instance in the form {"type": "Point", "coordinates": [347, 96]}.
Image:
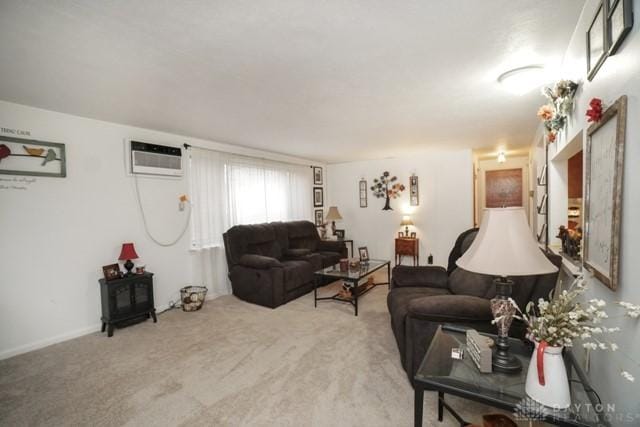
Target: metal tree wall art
{"type": "Point", "coordinates": [386, 187]}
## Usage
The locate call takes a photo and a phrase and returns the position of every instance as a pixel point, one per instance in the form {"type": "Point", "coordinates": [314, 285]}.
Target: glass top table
{"type": "Point", "coordinates": [439, 372]}
{"type": "Point", "coordinates": [352, 277]}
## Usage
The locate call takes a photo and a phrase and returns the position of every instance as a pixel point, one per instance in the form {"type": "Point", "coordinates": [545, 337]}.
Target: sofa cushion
{"type": "Point", "coordinates": [463, 282]}
{"type": "Point", "coordinates": [296, 273]}
{"type": "Point", "coordinates": [257, 239]}
{"type": "Point", "coordinates": [398, 301]}
{"type": "Point", "coordinates": [296, 253]}
{"type": "Point", "coordinates": [302, 235]}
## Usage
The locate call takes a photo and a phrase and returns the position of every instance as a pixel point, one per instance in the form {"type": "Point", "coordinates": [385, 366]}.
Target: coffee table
{"type": "Point", "coordinates": [352, 276]}
{"type": "Point", "coordinates": [439, 372]}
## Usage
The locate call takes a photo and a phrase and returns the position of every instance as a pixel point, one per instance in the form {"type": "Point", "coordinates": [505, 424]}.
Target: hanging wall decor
{"type": "Point", "coordinates": [317, 175]}
{"type": "Point", "coordinates": [619, 22]}
{"type": "Point", "coordinates": [386, 187]}
{"type": "Point", "coordinates": [30, 157]}
{"type": "Point", "coordinates": [318, 197]}
{"type": "Point", "coordinates": [597, 41]}
{"type": "Point", "coordinates": [414, 199]}
{"type": "Point", "coordinates": [603, 200]}
{"type": "Point", "coordinates": [362, 188]}
{"type": "Point", "coordinates": [319, 217]}
{"type": "Point", "coordinates": [554, 114]}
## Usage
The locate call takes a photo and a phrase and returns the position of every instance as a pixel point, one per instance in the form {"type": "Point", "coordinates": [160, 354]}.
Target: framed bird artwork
{"type": "Point", "coordinates": [30, 157]}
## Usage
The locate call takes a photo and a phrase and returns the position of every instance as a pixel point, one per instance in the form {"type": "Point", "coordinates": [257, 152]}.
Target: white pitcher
{"type": "Point", "coordinates": [547, 381]}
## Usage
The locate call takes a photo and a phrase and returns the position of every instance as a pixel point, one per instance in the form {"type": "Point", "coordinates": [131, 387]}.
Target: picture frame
{"type": "Point", "coordinates": [400, 235]}
{"type": "Point", "coordinates": [319, 217]}
{"type": "Point", "coordinates": [318, 197]}
{"type": "Point", "coordinates": [317, 175]}
{"type": "Point", "coordinates": [414, 198]}
{"type": "Point", "coordinates": [363, 252]}
{"type": "Point", "coordinates": [413, 235]}
{"type": "Point", "coordinates": [362, 188]}
{"type": "Point", "coordinates": [604, 169]}
{"type": "Point", "coordinates": [619, 22]}
{"type": "Point", "coordinates": [339, 234]}
{"type": "Point", "coordinates": [597, 41]}
{"type": "Point", "coordinates": [111, 272]}
{"type": "Point", "coordinates": [30, 157]}
{"type": "Point", "coordinates": [542, 178]}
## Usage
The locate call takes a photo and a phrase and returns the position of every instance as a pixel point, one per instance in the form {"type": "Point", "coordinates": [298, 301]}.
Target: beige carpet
{"type": "Point", "coordinates": [229, 364]}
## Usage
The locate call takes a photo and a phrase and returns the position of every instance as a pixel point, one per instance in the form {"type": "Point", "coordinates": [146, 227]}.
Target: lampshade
{"type": "Point", "coordinates": [406, 220]}
{"type": "Point", "coordinates": [128, 252]}
{"type": "Point", "coordinates": [505, 246]}
{"type": "Point", "coordinates": [333, 214]}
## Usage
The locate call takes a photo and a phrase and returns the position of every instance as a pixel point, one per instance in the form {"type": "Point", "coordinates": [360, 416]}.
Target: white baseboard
{"type": "Point", "coordinates": [5, 354]}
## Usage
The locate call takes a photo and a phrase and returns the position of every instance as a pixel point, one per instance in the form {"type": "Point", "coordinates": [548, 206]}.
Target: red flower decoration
{"type": "Point", "coordinates": [594, 113]}
{"type": "Point", "coordinates": [4, 151]}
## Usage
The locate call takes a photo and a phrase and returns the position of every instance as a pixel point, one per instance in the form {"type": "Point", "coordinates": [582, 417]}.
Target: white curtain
{"type": "Point", "coordinates": [227, 190]}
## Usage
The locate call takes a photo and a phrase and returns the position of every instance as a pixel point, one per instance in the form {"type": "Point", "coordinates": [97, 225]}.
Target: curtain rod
{"type": "Point", "coordinates": [188, 146]}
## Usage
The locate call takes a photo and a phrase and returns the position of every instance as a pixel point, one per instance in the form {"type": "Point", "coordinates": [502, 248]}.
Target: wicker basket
{"type": "Point", "coordinates": [192, 297]}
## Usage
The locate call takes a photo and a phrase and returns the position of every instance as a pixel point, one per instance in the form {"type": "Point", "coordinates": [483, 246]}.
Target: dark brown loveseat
{"type": "Point", "coordinates": [422, 298]}
{"type": "Point", "coordinates": [271, 264]}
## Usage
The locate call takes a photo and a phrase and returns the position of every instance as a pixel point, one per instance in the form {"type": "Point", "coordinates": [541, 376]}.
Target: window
{"type": "Point", "coordinates": [227, 190]}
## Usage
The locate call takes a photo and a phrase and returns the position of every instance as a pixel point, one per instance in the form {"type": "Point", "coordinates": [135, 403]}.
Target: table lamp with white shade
{"type": "Point", "coordinates": [333, 215]}
{"type": "Point", "coordinates": [505, 247]}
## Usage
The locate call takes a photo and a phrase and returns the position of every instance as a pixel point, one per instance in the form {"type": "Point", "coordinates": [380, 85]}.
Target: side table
{"type": "Point", "coordinates": [407, 246]}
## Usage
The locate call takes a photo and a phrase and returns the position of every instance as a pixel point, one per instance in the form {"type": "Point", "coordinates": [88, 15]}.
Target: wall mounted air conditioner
{"type": "Point", "coordinates": [154, 159]}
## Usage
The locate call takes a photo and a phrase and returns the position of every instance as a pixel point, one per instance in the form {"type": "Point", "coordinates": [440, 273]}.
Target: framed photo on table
{"type": "Point", "coordinates": [364, 254]}
{"type": "Point", "coordinates": [604, 163]}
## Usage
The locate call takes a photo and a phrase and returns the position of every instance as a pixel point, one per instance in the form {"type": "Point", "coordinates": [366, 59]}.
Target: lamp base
{"type": "Point", "coordinates": [129, 266]}
{"type": "Point", "coordinates": [503, 312]}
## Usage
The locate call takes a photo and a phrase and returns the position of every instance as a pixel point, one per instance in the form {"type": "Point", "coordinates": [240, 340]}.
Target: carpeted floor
{"type": "Point", "coordinates": [229, 364]}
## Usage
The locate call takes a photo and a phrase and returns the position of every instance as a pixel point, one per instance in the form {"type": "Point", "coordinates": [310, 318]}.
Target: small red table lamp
{"type": "Point", "coordinates": [128, 253]}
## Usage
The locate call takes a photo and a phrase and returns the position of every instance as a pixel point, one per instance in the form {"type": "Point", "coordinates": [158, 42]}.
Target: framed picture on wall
{"type": "Point", "coordinates": [317, 175]}
{"type": "Point", "coordinates": [318, 197]}
{"type": "Point", "coordinates": [603, 198]}
{"type": "Point", "coordinates": [362, 188]}
{"type": "Point", "coordinates": [619, 22]}
{"type": "Point", "coordinates": [413, 191]}
{"type": "Point", "coordinates": [29, 157]}
{"type": "Point", "coordinates": [319, 216]}
{"type": "Point", "coordinates": [597, 41]}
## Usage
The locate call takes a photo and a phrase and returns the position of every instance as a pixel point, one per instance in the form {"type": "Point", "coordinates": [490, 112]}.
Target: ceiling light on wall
{"type": "Point", "coordinates": [502, 157]}
{"type": "Point", "coordinates": [522, 79]}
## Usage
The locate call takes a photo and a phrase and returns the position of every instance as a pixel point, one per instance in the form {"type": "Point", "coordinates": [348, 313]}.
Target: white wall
{"type": "Point", "coordinates": [620, 75]}
{"type": "Point", "coordinates": [446, 202]}
{"type": "Point", "coordinates": [56, 234]}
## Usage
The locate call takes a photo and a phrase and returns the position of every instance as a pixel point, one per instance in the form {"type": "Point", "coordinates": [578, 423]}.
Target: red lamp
{"type": "Point", "coordinates": [128, 253]}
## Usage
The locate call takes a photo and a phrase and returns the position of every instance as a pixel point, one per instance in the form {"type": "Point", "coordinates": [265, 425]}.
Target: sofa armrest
{"type": "Point", "coordinates": [451, 309]}
{"type": "Point", "coordinates": [332, 246]}
{"type": "Point", "coordinates": [259, 262]}
{"type": "Point", "coordinates": [429, 276]}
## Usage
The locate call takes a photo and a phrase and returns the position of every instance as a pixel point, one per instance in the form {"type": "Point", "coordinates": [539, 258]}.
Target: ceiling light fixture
{"type": "Point", "coordinates": [502, 157]}
{"type": "Point", "coordinates": [522, 79]}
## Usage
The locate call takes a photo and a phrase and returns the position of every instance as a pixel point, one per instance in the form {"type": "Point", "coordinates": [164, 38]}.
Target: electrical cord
{"type": "Point", "coordinates": [146, 226]}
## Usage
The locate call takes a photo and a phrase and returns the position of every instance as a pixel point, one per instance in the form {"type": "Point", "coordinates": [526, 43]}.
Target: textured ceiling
{"type": "Point", "coordinates": [327, 80]}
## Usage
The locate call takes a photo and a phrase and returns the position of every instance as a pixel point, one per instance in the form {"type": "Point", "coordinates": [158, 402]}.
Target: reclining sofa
{"type": "Point", "coordinates": [422, 298]}
{"type": "Point", "coordinates": [272, 264]}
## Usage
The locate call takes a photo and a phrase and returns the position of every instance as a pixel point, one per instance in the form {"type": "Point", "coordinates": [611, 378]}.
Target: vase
{"type": "Point", "coordinates": [547, 381]}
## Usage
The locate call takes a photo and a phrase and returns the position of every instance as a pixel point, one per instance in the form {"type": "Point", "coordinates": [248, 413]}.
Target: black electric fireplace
{"type": "Point", "coordinates": [127, 300]}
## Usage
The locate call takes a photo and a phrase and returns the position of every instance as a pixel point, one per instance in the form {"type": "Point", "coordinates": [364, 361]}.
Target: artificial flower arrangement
{"type": "Point", "coordinates": [594, 113]}
{"type": "Point", "coordinates": [553, 325]}
{"type": "Point", "coordinates": [561, 321]}
{"type": "Point", "coordinates": [554, 115]}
